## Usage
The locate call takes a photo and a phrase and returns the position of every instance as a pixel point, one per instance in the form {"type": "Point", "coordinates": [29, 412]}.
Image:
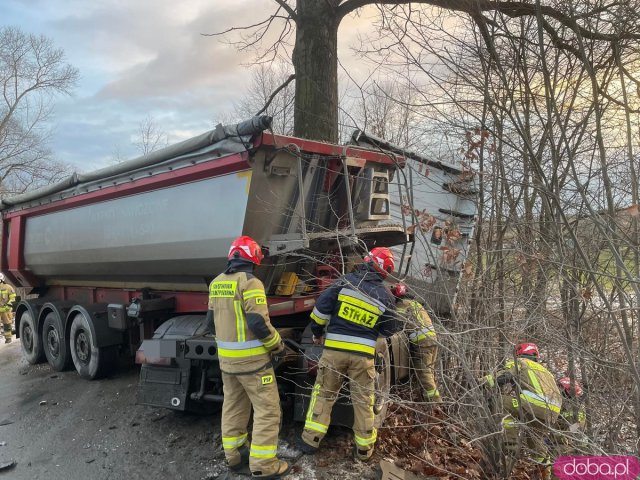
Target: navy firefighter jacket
{"type": "Point", "coordinates": [355, 311]}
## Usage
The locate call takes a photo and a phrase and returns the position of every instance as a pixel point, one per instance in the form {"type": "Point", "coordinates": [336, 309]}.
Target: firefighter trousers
{"type": "Point", "coordinates": [7, 322]}
{"type": "Point", "coordinates": [531, 432]}
{"type": "Point", "coordinates": [333, 369]}
{"type": "Point", "coordinates": [241, 392]}
{"type": "Point", "coordinates": [424, 362]}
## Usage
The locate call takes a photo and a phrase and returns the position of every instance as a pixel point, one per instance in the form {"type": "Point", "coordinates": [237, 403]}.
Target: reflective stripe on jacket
{"type": "Point", "coordinates": [7, 297]}
{"type": "Point", "coordinates": [244, 334]}
{"type": "Point", "coordinates": [417, 322]}
{"type": "Point", "coordinates": [536, 385]}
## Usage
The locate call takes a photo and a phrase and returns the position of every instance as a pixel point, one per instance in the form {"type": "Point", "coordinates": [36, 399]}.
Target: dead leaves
{"type": "Point", "coordinates": [450, 254]}
{"type": "Point", "coordinates": [475, 141]}
{"type": "Point", "coordinates": [420, 442]}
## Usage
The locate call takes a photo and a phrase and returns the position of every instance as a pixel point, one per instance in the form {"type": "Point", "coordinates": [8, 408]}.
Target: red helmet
{"type": "Point", "coordinates": [565, 385]}
{"type": "Point", "coordinates": [382, 259]}
{"type": "Point", "coordinates": [399, 290]}
{"type": "Point", "coordinates": [247, 248]}
{"type": "Point", "coordinates": [530, 349]}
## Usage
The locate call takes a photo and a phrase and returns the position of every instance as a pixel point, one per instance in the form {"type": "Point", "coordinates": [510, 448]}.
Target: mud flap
{"type": "Point", "coordinates": [165, 387]}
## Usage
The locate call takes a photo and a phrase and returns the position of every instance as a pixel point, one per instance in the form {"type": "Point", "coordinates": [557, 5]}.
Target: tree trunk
{"type": "Point", "coordinates": [316, 67]}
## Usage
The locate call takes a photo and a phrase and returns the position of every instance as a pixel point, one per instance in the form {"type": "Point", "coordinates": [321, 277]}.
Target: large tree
{"type": "Point", "coordinates": [32, 72]}
{"type": "Point", "coordinates": [315, 24]}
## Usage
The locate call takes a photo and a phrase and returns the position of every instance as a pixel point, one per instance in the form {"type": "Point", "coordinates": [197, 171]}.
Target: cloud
{"type": "Point", "coordinates": [148, 57]}
{"type": "Point", "coordinates": [157, 48]}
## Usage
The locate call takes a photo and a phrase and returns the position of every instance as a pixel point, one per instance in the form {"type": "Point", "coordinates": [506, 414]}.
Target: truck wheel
{"type": "Point", "coordinates": [56, 346]}
{"type": "Point", "coordinates": [30, 340]}
{"type": "Point", "coordinates": [382, 382]}
{"type": "Point", "coordinates": [91, 362]}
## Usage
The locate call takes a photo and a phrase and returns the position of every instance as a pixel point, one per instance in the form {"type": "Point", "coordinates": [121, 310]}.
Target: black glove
{"type": "Point", "coordinates": [505, 379]}
{"type": "Point", "coordinates": [277, 353]}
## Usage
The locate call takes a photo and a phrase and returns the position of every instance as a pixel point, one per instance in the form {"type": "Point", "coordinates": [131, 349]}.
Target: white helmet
{"type": "Point", "coordinates": [1, 277]}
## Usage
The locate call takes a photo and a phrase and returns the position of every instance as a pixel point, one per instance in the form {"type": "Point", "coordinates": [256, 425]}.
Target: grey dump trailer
{"type": "Point", "coordinates": [118, 261]}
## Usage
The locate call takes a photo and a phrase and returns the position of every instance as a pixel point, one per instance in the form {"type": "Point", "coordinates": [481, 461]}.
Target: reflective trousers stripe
{"type": "Point", "coordinates": [432, 393]}
{"type": "Point", "coordinates": [312, 403]}
{"type": "Point", "coordinates": [263, 451]}
{"type": "Point", "coordinates": [234, 442]}
{"type": "Point", "coordinates": [309, 423]}
{"type": "Point", "coordinates": [318, 427]}
{"type": "Point", "coordinates": [366, 441]}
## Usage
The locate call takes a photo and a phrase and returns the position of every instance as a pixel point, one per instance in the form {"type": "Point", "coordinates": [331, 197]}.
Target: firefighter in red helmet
{"type": "Point", "coordinates": [531, 401]}
{"type": "Point", "coordinates": [422, 340]}
{"type": "Point", "coordinates": [246, 340]}
{"type": "Point", "coordinates": [570, 438]}
{"type": "Point", "coordinates": [354, 311]}
{"type": "Point", "coordinates": [7, 298]}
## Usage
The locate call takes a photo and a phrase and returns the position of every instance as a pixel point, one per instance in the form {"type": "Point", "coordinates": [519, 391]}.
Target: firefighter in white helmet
{"type": "Point", "coordinates": [570, 438]}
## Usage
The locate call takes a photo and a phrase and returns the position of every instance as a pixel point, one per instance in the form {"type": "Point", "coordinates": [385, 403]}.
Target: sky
{"type": "Point", "coordinates": [145, 58]}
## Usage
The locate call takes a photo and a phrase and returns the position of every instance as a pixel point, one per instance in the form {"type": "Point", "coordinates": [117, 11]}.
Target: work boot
{"type": "Point", "coordinates": [283, 469]}
{"type": "Point", "coordinates": [305, 448]}
{"type": "Point", "coordinates": [242, 465]}
{"type": "Point", "coordinates": [362, 455]}
{"type": "Point", "coordinates": [8, 339]}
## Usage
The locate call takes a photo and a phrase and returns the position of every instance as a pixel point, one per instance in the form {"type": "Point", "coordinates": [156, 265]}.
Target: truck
{"type": "Point", "coordinates": [118, 261]}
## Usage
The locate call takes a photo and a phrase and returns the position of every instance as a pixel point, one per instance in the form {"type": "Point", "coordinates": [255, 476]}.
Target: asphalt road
{"type": "Point", "coordinates": [58, 426]}
{"type": "Point", "coordinates": [55, 425]}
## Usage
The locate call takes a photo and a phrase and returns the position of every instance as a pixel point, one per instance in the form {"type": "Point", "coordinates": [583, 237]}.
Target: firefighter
{"type": "Point", "coordinates": [422, 340]}
{"type": "Point", "coordinates": [354, 311]}
{"type": "Point", "coordinates": [246, 340]}
{"type": "Point", "coordinates": [572, 419]}
{"type": "Point", "coordinates": [7, 297]}
{"type": "Point", "coordinates": [531, 398]}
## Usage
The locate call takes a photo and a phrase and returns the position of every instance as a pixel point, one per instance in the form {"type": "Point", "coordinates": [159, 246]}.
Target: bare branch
{"type": "Point", "coordinates": [287, 7]}
{"type": "Point", "coordinates": [276, 91]}
{"type": "Point", "coordinates": [510, 9]}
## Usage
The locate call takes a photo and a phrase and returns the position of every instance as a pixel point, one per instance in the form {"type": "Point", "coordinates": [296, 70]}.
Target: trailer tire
{"type": "Point", "coordinates": [91, 362]}
{"type": "Point", "coordinates": [30, 340]}
{"type": "Point", "coordinates": [55, 344]}
{"type": "Point", "coordinates": [382, 382]}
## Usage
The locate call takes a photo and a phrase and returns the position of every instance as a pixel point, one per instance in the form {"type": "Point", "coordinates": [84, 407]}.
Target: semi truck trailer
{"type": "Point", "coordinates": [118, 261]}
